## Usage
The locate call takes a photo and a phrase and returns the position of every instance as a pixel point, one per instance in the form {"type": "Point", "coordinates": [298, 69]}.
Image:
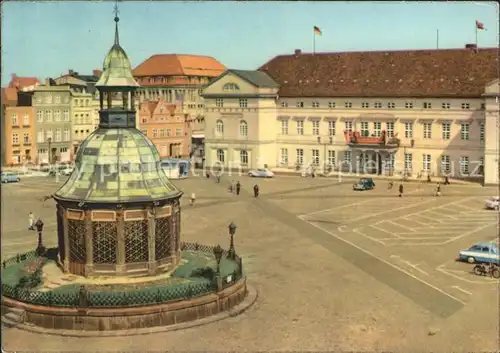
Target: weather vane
{"type": "Point", "coordinates": [115, 10]}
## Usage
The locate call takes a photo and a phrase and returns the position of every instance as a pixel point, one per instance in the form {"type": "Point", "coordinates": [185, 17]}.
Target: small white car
{"type": "Point", "coordinates": [493, 203]}
{"type": "Point", "coordinates": [260, 173]}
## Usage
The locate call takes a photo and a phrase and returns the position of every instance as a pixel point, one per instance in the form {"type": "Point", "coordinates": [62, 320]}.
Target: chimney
{"type": "Point", "coordinates": [471, 46]}
{"type": "Point", "coordinates": [96, 73]}
{"type": "Point", "coordinates": [298, 52]}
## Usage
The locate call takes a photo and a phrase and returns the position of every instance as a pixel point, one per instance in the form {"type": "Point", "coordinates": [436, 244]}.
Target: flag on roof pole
{"type": "Point", "coordinates": [480, 25]}
{"type": "Point", "coordinates": [317, 31]}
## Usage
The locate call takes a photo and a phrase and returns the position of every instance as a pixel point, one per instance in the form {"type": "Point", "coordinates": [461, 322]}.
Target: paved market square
{"type": "Point", "coordinates": [331, 265]}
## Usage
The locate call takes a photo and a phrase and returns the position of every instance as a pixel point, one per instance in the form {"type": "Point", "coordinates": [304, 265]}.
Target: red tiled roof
{"type": "Point", "coordinates": [410, 73]}
{"type": "Point", "coordinates": [9, 96]}
{"type": "Point", "coordinates": [179, 65]}
{"type": "Point", "coordinates": [22, 82]}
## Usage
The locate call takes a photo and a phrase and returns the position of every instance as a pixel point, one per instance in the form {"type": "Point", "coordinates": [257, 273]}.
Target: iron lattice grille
{"type": "Point", "coordinates": [177, 232]}
{"type": "Point", "coordinates": [76, 236]}
{"type": "Point", "coordinates": [104, 242]}
{"type": "Point", "coordinates": [136, 241]}
{"type": "Point", "coordinates": [163, 238]}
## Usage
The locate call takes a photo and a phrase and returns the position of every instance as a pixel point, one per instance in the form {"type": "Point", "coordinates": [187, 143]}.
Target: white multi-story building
{"type": "Point", "coordinates": [421, 112]}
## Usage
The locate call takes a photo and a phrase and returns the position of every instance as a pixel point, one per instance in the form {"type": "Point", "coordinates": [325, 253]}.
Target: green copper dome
{"type": "Point", "coordinates": [117, 71]}
{"type": "Point", "coordinates": [117, 166]}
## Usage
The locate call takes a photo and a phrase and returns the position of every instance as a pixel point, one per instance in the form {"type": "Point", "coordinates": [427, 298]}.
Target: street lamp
{"type": "Point", "coordinates": [232, 230]}
{"type": "Point", "coordinates": [218, 255]}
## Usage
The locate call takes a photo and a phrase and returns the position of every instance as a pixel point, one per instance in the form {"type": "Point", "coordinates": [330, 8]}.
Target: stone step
{"type": "Point", "coordinates": [8, 323]}
{"type": "Point", "coordinates": [14, 317]}
{"type": "Point", "coordinates": [15, 310]}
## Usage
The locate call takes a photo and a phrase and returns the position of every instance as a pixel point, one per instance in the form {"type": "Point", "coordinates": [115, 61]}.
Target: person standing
{"type": "Point", "coordinates": [256, 190]}
{"type": "Point", "coordinates": [39, 228]}
{"type": "Point", "coordinates": [238, 187]}
{"type": "Point", "coordinates": [31, 221]}
{"type": "Point", "coordinates": [400, 190]}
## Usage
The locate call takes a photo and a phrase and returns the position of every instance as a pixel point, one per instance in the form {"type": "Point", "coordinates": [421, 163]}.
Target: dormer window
{"type": "Point", "coordinates": [348, 104]}
{"type": "Point", "coordinates": [365, 105]}
{"type": "Point", "coordinates": [300, 104]}
{"type": "Point", "coordinates": [315, 104]}
{"type": "Point", "coordinates": [230, 87]}
{"type": "Point", "coordinates": [378, 105]}
{"type": "Point", "coordinates": [408, 105]}
{"type": "Point", "coordinates": [465, 105]}
{"type": "Point", "coordinates": [284, 104]}
{"type": "Point", "coordinates": [445, 105]}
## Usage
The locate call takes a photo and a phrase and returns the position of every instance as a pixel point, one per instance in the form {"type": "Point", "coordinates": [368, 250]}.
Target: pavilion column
{"type": "Point", "coordinates": [66, 240]}
{"type": "Point", "coordinates": [101, 100]}
{"type": "Point", "coordinates": [120, 242]}
{"type": "Point", "coordinates": [108, 98]}
{"type": "Point", "coordinates": [89, 260]}
{"type": "Point", "coordinates": [151, 242]}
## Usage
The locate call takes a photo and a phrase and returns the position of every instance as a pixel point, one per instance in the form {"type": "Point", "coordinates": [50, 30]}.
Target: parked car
{"type": "Point", "coordinates": [481, 253]}
{"type": "Point", "coordinates": [493, 203]}
{"type": "Point", "coordinates": [67, 171]}
{"type": "Point", "coordinates": [364, 184]}
{"type": "Point", "coordinates": [7, 177]}
{"type": "Point", "coordinates": [260, 173]}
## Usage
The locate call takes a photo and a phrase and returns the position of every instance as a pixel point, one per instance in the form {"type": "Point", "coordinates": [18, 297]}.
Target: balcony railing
{"type": "Point", "coordinates": [354, 138]}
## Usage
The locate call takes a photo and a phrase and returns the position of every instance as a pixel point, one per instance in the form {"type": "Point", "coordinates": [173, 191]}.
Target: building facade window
{"type": "Point", "coordinates": [315, 128]}
{"type": "Point", "coordinates": [219, 127]}
{"type": "Point", "coordinates": [426, 162]}
{"type": "Point", "coordinates": [230, 87]}
{"type": "Point", "coordinates": [378, 105]}
{"type": "Point", "coordinates": [169, 131]}
{"type": "Point", "coordinates": [365, 131]}
{"type": "Point", "coordinates": [243, 103]}
{"type": "Point", "coordinates": [464, 165]}
{"type": "Point", "coordinates": [15, 122]}
{"type": "Point", "coordinates": [66, 115]}
{"type": "Point", "coordinates": [446, 131]}
{"type": "Point", "coordinates": [464, 131]}
{"type": "Point", "coordinates": [331, 105]}
{"type": "Point", "coordinates": [67, 137]}
{"type": "Point", "coordinates": [219, 102]}
{"type": "Point", "coordinates": [445, 164]}
{"type": "Point", "coordinates": [40, 136]}
{"type": "Point", "coordinates": [427, 130]}
{"type": "Point", "coordinates": [162, 132]}
{"type": "Point", "coordinates": [480, 169]}
{"type": "Point", "coordinates": [445, 105]}
{"type": "Point", "coordinates": [331, 128]}
{"type": "Point", "coordinates": [58, 135]}
{"type": "Point", "coordinates": [315, 104]}
{"type": "Point", "coordinates": [220, 156]}
{"type": "Point", "coordinates": [26, 119]}
{"type": "Point", "coordinates": [155, 132]}
{"type": "Point", "coordinates": [39, 116]}
{"type": "Point", "coordinates": [409, 129]}
{"type": "Point", "coordinates": [390, 128]}
{"type": "Point", "coordinates": [57, 115]}
{"type": "Point", "coordinates": [377, 128]}
{"type": "Point", "coordinates": [347, 104]}
{"type": "Point", "coordinates": [331, 158]}
{"type": "Point", "coordinates": [391, 105]}
{"type": "Point", "coordinates": [300, 156]}
{"type": "Point", "coordinates": [299, 104]}
{"type": "Point", "coordinates": [63, 149]}
{"type": "Point", "coordinates": [284, 156]}
{"type": "Point", "coordinates": [243, 128]}
{"type": "Point", "coordinates": [244, 157]}
{"type": "Point", "coordinates": [347, 157]}
{"type": "Point", "coordinates": [178, 132]}
{"type": "Point", "coordinates": [315, 157]}
{"type": "Point", "coordinates": [15, 139]}
{"type": "Point", "coordinates": [26, 138]}
{"type": "Point", "coordinates": [49, 134]}
{"type": "Point", "coordinates": [348, 126]}
{"type": "Point", "coordinates": [300, 127]}
{"type": "Point", "coordinates": [465, 105]}
{"type": "Point", "coordinates": [284, 127]}
{"type": "Point", "coordinates": [57, 99]}
{"type": "Point", "coordinates": [427, 105]}
{"type": "Point", "coordinates": [365, 105]}
{"type": "Point", "coordinates": [481, 132]}
{"type": "Point", "coordinates": [47, 116]}
{"type": "Point", "coordinates": [408, 105]}
{"type": "Point", "coordinates": [408, 162]}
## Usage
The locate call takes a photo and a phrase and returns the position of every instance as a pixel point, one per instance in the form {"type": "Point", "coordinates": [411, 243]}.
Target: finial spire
{"type": "Point", "coordinates": [116, 12]}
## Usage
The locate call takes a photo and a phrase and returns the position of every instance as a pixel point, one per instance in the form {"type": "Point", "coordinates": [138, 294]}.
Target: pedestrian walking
{"type": "Point", "coordinates": [256, 190]}
{"type": "Point", "coordinates": [218, 178]}
{"type": "Point", "coordinates": [438, 190]}
{"type": "Point", "coordinates": [31, 221]}
{"type": "Point", "coordinates": [238, 187]}
{"type": "Point", "coordinates": [193, 198]}
{"type": "Point", "coordinates": [446, 180]}
{"type": "Point", "coordinates": [207, 175]}
{"type": "Point", "coordinates": [400, 190]}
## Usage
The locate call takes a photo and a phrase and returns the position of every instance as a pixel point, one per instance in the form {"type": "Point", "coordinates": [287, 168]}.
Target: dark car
{"type": "Point", "coordinates": [364, 184]}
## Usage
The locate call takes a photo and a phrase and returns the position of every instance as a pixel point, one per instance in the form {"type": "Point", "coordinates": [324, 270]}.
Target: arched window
{"type": "Point", "coordinates": [244, 157]}
{"type": "Point", "coordinates": [219, 127]}
{"type": "Point", "coordinates": [243, 128]}
{"type": "Point", "coordinates": [220, 156]}
{"type": "Point", "coordinates": [230, 87]}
